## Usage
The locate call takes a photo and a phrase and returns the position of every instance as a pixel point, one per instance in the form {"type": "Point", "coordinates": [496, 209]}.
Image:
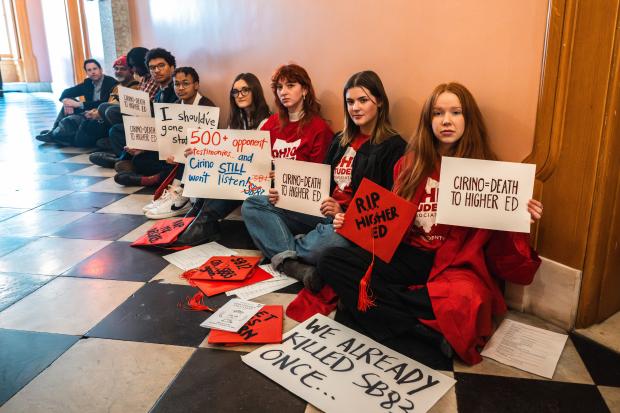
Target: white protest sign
{"type": "Point", "coordinates": [134, 102]}
{"type": "Point", "coordinates": [339, 370]}
{"type": "Point", "coordinates": [173, 122]}
{"type": "Point", "coordinates": [302, 185]}
{"type": "Point", "coordinates": [140, 133]}
{"type": "Point", "coordinates": [485, 194]}
{"type": "Point", "coordinates": [228, 164]}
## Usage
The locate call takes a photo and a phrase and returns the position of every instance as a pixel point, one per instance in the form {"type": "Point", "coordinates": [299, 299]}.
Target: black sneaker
{"type": "Point", "coordinates": [45, 137]}
{"type": "Point", "coordinates": [128, 179]}
{"type": "Point", "coordinates": [103, 159]}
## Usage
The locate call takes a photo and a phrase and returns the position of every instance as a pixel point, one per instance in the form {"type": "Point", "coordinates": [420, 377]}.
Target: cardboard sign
{"type": "Point", "coordinates": [173, 122]}
{"type": "Point", "coordinates": [265, 327]}
{"type": "Point", "coordinates": [211, 288]}
{"type": "Point", "coordinates": [140, 133]}
{"type": "Point", "coordinates": [377, 219]}
{"type": "Point", "coordinates": [228, 164]}
{"type": "Point", "coordinates": [134, 102]}
{"type": "Point", "coordinates": [225, 268]}
{"type": "Point", "coordinates": [485, 194]}
{"type": "Point", "coordinates": [302, 185]}
{"type": "Point", "coordinates": [164, 232]}
{"type": "Point", "coordinates": [339, 370]}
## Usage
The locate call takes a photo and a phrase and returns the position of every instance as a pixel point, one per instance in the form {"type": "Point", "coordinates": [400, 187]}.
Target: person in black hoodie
{"type": "Point", "coordinates": [95, 89]}
{"type": "Point", "coordinates": [368, 147]}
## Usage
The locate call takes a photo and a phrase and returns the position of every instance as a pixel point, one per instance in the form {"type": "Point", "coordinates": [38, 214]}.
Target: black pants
{"type": "Point", "coordinates": [397, 308]}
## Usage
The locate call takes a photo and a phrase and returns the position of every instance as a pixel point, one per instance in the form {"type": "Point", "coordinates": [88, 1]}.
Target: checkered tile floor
{"type": "Point", "coordinates": [88, 324]}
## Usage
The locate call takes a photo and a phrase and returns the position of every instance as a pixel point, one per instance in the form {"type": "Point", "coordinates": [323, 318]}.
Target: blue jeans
{"type": "Point", "coordinates": [282, 234]}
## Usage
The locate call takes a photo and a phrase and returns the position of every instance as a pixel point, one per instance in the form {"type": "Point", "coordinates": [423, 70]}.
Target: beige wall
{"type": "Point", "coordinates": [494, 48]}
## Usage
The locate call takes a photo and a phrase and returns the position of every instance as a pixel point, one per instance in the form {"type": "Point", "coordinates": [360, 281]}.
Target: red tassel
{"type": "Point", "coordinates": [365, 299]}
{"type": "Point", "coordinates": [196, 303]}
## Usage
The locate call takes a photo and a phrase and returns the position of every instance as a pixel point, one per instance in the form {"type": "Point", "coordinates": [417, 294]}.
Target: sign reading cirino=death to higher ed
{"type": "Point", "coordinates": [227, 164]}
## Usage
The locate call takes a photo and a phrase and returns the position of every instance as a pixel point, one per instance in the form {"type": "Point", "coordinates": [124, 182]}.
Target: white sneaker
{"type": "Point", "coordinates": [174, 205]}
{"type": "Point", "coordinates": [163, 197]}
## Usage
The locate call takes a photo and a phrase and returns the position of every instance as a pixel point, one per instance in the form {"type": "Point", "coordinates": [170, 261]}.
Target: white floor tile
{"type": "Point", "coordinates": [38, 223]}
{"type": "Point", "coordinates": [97, 375]}
{"type": "Point", "coordinates": [82, 158]}
{"type": "Point", "coordinates": [67, 305]}
{"type": "Point", "coordinates": [28, 199]}
{"type": "Point", "coordinates": [95, 170]}
{"type": "Point", "coordinates": [131, 204]}
{"type": "Point", "coordinates": [138, 232]}
{"type": "Point", "coordinates": [110, 186]}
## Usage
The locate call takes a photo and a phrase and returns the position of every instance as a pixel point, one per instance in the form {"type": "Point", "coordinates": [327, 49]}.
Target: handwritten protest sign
{"type": "Point", "coordinates": [485, 194]}
{"type": "Point", "coordinates": [264, 327]}
{"type": "Point", "coordinates": [224, 268]}
{"type": "Point", "coordinates": [228, 164]}
{"type": "Point", "coordinates": [302, 185]}
{"type": "Point", "coordinates": [163, 232]}
{"type": "Point", "coordinates": [134, 102]}
{"type": "Point", "coordinates": [377, 219]}
{"type": "Point", "coordinates": [339, 370]}
{"type": "Point", "coordinates": [140, 133]}
{"type": "Point", "coordinates": [173, 121]}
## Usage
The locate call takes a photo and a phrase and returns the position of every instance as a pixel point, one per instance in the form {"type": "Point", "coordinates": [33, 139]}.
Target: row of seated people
{"type": "Point", "coordinates": [441, 286]}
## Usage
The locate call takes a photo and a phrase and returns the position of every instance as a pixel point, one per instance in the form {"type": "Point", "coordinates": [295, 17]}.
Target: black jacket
{"type": "Point", "coordinates": [87, 89]}
{"type": "Point", "coordinates": [374, 162]}
{"type": "Point", "coordinates": [166, 95]}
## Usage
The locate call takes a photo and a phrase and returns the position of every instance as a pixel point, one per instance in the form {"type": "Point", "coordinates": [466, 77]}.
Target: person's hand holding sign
{"type": "Point", "coordinates": [535, 208]}
{"type": "Point", "coordinates": [188, 151]}
{"type": "Point", "coordinates": [330, 207]}
{"type": "Point", "coordinates": [338, 220]}
{"type": "Point", "coordinates": [170, 160]}
{"type": "Point", "coordinates": [273, 196]}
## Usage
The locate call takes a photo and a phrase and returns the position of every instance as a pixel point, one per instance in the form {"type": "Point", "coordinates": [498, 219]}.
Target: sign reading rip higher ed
{"type": "Point", "coordinates": [485, 194]}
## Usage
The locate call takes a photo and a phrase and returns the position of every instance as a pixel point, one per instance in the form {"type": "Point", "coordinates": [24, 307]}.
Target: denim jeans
{"type": "Point", "coordinates": [282, 234]}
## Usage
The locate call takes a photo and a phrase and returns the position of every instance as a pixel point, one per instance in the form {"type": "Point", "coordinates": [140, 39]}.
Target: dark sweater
{"type": "Point", "coordinates": [374, 162]}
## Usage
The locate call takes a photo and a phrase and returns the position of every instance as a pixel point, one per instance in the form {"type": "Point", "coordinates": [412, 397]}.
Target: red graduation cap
{"type": "Point", "coordinates": [164, 232]}
{"type": "Point", "coordinates": [211, 288]}
{"type": "Point", "coordinates": [224, 268]}
{"type": "Point", "coordinates": [376, 220]}
{"type": "Point", "coordinates": [264, 327]}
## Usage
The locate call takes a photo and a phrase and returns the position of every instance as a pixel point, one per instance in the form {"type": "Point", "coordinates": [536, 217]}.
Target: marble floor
{"type": "Point", "coordinates": [88, 324]}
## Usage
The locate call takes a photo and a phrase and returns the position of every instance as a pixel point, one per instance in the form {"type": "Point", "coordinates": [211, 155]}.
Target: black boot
{"type": "Point", "coordinates": [195, 208]}
{"type": "Point", "coordinates": [434, 337]}
{"type": "Point", "coordinates": [103, 159]}
{"type": "Point", "coordinates": [204, 228]}
{"type": "Point", "coordinates": [303, 272]}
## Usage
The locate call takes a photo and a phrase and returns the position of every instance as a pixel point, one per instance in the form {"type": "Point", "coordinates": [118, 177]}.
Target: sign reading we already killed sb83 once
{"type": "Point", "coordinates": [173, 123]}
{"type": "Point", "coordinates": [227, 164]}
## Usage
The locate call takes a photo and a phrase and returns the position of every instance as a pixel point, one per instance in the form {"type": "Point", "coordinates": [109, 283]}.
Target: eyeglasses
{"type": "Point", "coordinates": [243, 92]}
{"type": "Point", "coordinates": [160, 66]}
{"type": "Point", "coordinates": [182, 85]}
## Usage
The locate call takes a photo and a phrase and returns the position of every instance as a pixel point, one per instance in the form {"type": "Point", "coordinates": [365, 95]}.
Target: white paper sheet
{"type": "Point", "coordinates": [232, 315]}
{"type": "Point", "coordinates": [196, 256]}
{"type": "Point", "coordinates": [279, 280]}
{"type": "Point", "coordinates": [527, 348]}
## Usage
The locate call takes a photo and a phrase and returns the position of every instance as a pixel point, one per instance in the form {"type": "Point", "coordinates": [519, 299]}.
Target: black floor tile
{"type": "Point", "coordinates": [412, 347]}
{"type": "Point", "coordinates": [235, 235]}
{"type": "Point", "coordinates": [101, 226]}
{"type": "Point", "coordinates": [291, 289]}
{"type": "Point", "coordinates": [602, 363]}
{"type": "Point", "coordinates": [71, 182]}
{"type": "Point", "coordinates": [154, 315]}
{"type": "Point", "coordinates": [24, 355]}
{"type": "Point", "coordinates": [476, 393]}
{"type": "Point", "coordinates": [83, 201]}
{"type": "Point", "coordinates": [119, 261]}
{"type": "Point", "coordinates": [218, 381]}
{"type": "Point", "coordinates": [52, 156]}
{"type": "Point", "coordinates": [8, 244]}
{"type": "Point", "coordinates": [14, 287]}
{"type": "Point", "coordinates": [59, 168]}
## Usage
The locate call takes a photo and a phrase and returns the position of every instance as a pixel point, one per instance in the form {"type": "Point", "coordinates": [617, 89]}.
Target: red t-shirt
{"type": "Point", "coordinates": [424, 233]}
{"type": "Point", "coordinates": [309, 143]}
{"type": "Point", "coordinates": [343, 193]}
